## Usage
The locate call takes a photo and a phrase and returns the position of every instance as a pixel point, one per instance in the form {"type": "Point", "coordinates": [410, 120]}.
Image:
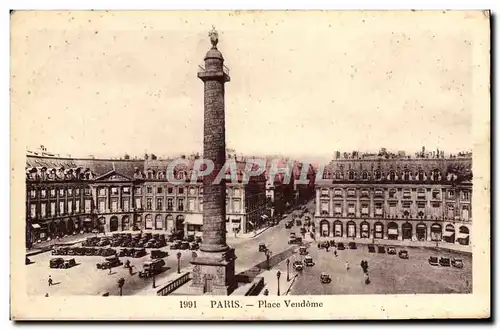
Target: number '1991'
{"type": "Point", "coordinates": [188, 304]}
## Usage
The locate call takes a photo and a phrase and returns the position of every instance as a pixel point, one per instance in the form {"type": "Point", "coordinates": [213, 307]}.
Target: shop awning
{"type": "Point", "coordinates": [448, 233]}
{"type": "Point", "coordinates": [236, 225]}
{"type": "Point", "coordinates": [35, 225]}
{"type": "Point", "coordinates": [194, 219]}
{"type": "Point", "coordinates": [392, 231]}
{"type": "Point", "coordinates": [87, 220]}
{"type": "Point", "coordinates": [462, 235]}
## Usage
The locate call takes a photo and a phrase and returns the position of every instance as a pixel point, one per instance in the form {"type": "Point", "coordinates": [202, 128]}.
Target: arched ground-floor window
{"type": "Point", "coordinates": [113, 224]}
{"type": "Point", "coordinates": [351, 229]}
{"type": "Point", "coordinates": [325, 228]}
{"type": "Point", "coordinates": [149, 222]}
{"type": "Point", "coordinates": [407, 230]}
{"type": "Point", "coordinates": [364, 229]}
{"type": "Point", "coordinates": [378, 229]}
{"type": "Point", "coordinates": [158, 222]}
{"type": "Point", "coordinates": [337, 229]}
{"type": "Point", "coordinates": [392, 230]}
{"type": "Point", "coordinates": [449, 233]}
{"type": "Point", "coordinates": [125, 223]}
{"type": "Point", "coordinates": [421, 231]}
{"type": "Point", "coordinates": [436, 232]}
{"type": "Point", "coordinates": [463, 235]}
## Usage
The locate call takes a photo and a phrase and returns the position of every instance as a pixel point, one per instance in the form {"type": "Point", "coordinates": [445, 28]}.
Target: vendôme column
{"type": "Point", "coordinates": [213, 271]}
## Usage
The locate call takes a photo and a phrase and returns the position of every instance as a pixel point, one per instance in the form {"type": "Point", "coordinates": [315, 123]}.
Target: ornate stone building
{"type": "Point", "coordinates": [68, 196]}
{"type": "Point", "coordinates": [426, 199]}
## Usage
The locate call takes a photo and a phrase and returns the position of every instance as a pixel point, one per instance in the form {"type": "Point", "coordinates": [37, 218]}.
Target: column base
{"type": "Point", "coordinates": [214, 273]}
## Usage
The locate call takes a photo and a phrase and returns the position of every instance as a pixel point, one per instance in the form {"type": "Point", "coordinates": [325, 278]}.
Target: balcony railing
{"type": "Point", "coordinates": [225, 69]}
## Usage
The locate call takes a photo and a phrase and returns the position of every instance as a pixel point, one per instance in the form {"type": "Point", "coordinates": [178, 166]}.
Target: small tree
{"type": "Point", "coordinates": [153, 157]}
{"type": "Point", "coordinates": [146, 156]}
{"type": "Point", "coordinates": [121, 282]}
{"type": "Point", "coordinates": [127, 156]}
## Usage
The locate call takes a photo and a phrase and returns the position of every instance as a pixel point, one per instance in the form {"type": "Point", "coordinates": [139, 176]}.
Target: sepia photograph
{"type": "Point", "coordinates": [250, 165]}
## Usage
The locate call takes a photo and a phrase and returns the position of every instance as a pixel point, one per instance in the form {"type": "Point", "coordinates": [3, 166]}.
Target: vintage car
{"type": "Point", "coordinates": [352, 246]}
{"type": "Point", "coordinates": [340, 246]}
{"type": "Point", "coordinates": [433, 261]}
{"type": "Point", "coordinates": [176, 245]}
{"type": "Point", "coordinates": [298, 265]}
{"type": "Point", "coordinates": [137, 253]}
{"type": "Point", "coordinates": [308, 261]}
{"type": "Point", "coordinates": [298, 222]}
{"type": "Point", "coordinates": [302, 250]}
{"type": "Point", "coordinates": [68, 263]}
{"type": "Point", "coordinates": [151, 268]}
{"type": "Point", "coordinates": [262, 247]}
{"type": "Point", "coordinates": [391, 250]}
{"type": "Point", "coordinates": [296, 240]}
{"type": "Point", "coordinates": [289, 224]}
{"type": "Point", "coordinates": [292, 235]}
{"type": "Point", "coordinates": [198, 239]}
{"type": "Point", "coordinates": [371, 248]}
{"type": "Point", "coordinates": [380, 249]}
{"type": "Point", "coordinates": [403, 254]}
{"type": "Point", "coordinates": [158, 254]}
{"type": "Point", "coordinates": [109, 262]}
{"type": "Point", "coordinates": [325, 278]}
{"type": "Point", "coordinates": [443, 261]}
{"type": "Point", "coordinates": [56, 263]}
{"type": "Point", "coordinates": [103, 242]}
{"type": "Point", "coordinates": [184, 245]}
{"type": "Point", "coordinates": [457, 263]}
{"type": "Point", "coordinates": [150, 244]}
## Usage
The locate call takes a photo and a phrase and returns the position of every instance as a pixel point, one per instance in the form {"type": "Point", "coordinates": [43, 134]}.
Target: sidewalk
{"type": "Point", "coordinates": [427, 244]}
{"type": "Point", "coordinates": [271, 283]}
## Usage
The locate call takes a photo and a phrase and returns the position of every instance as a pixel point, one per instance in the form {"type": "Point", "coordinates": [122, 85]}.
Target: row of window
{"type": "Point", "coordinates": [406, 209]}
{"type": "Point", "coordinates": [406, 193]}
{"type": "Point", "coordinates": [64, 208]}
{"type": "Point", "coordinates": [392, 175]}
{"type": "Point", "coordinates": [61, 192]}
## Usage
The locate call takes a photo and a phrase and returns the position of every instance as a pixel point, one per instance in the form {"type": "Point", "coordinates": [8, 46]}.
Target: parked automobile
{"type": "Point", "coordinates": [103, 242]}
{"type": "Point", "coordinates": [298, 222]}
{"type": "Point", "coordinates": [292, 235]}
{"type": "Point", "coordinates": [371, 248]}
{"type": "Point", "coordinates": [445, 262]}
{"type": "Point", "coordinates": [184, 245]}
{"type": "Point", "coordinates": [403, 254]}
{"type": "Point", "coordinates": [302, 250]}
{"type": "Point", "coordinates": [296, 240]}
{"type": "Point", "coordinates": [298, 265]}
{"type": "Point", "coordinates": [340, 246]}
{"type": "Point", "coordinates": [198, 239]}
{"type": "Point", "coordinates": [380, 249]}
{"type": "Point", "coordinates": [109, 262]}
{"type": "Point", "coordinates": [151, 268]}
{"type": "Point", "coordinates": [289, 224]}
{"type": "Point", "coordinates": [433, 261]}
{"type": "Point", "coordinates": [137, 253]}
{"type": "Point", "coordinates": [308, 261]}
{"type": "Point", "coordinates": [158, 254]}
{"type": "Point", "coordinates": [325, 278]}
{"type": "Point", "coordinates": [352, 246]}
{"type": "Point", "coordinates": [391, 250]}
{"type": "Point", "coordinates": [457, 263]}
{"type": "Point", "coordinates": [194, 246]}
{"type": "Point", "coordinates": [56, 263]}
{"type": "Point", "coordinates": [68, 263]}
{"type": "Point", "coordinates": [262, 247]}
{"type": "Point", "coordinates": [176, 245]}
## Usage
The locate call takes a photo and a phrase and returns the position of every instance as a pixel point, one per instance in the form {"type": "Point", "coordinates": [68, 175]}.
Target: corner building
{"type": "Point", "coordinates": [421, 199]}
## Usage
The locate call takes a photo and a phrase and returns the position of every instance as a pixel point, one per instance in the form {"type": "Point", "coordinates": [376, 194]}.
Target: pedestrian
{"type": "Point", "coordinates": [367, 278]}
{"type": "Point", "coordinates": [319, 245]}
{"type": "Point", "coordinates": [46, 295]}
{"type": "Point", "coordinates": [335, 253]}
{"type": "Point", "coordinates": [363, 264]}
{"type": "Point", "coordinates": [130, 270]}
{"type": "Point", "coordinates": [347, 266]}
{"type": "Point", "coordinates": [266, 292]}
{"type": "Point", "coordinates": [109, 271]}
{"type": "Point", "coordinates": [50, 281]}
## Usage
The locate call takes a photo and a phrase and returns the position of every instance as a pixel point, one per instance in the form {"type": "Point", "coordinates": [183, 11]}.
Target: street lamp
{"type": "Point", "coordinates": [179, 262]}
{"type": "Point", "coordinates": [288, 270]}
{"type": "Point", "coordinates": [278, 274]}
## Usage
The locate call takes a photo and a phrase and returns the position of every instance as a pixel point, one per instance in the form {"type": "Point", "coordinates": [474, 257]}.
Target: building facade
{"type": "Point", "coordinates": [424, 199]}
{"type": "Point", "coordinates": [70, 196]}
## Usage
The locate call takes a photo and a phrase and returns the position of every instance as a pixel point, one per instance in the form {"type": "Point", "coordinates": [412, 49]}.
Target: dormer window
{"type": "Point", "coordinates": [378, 175]}
{"type": "Point", "coordinates": [338, 175]}
{"type": "Point", "coordinates": [351, 175]}
{"type": "Point", "coordinates": [364, 175]}
{"type": "Point", "coordinates": [392, 176]}
{"type": "Point", "coordinates": [420, 176]}
{"type": "Point", "coordinates": [406, 175]}
{"type": "Point", "coordinates": [436, 175]}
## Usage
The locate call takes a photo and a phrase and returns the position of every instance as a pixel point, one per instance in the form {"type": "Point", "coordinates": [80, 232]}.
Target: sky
{"type": "Point", "coordinates": [110, 83]}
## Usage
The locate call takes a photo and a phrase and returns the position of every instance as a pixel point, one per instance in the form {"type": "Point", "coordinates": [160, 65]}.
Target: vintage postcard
{"type": "Point", "coordinates": [234, 165]}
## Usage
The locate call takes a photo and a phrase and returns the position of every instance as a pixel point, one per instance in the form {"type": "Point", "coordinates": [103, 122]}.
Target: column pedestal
{"type": "Point", "coordinates": [214, 273]}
